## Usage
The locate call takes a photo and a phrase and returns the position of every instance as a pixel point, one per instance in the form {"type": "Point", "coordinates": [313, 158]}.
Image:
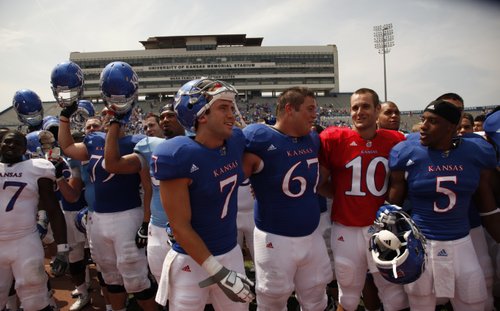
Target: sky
{"type": "Point", "coordinates": [440, 46]}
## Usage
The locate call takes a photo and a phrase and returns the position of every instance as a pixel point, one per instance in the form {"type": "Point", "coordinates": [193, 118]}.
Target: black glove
{"type": "Point", "coordinates": [121, 119]}
{"type": "Point", "coordinates": [59, 165]}
{"type": "Point", "coordinates": [60, 264]}
{"type": "Point", "coordinates": [69, 110]}
{"type": "Point", "coordinates": [236, 286]}
{"type": "Point", "coordinates": [141, 238]}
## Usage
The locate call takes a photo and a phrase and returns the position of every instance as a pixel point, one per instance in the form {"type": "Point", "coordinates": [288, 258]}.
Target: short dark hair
{"type": "Point", "coordinates": [480, 118]}
{"type": "Point", "coordinates": [294, 96]}
{"type": "Point", "coordinates": [365, 90]}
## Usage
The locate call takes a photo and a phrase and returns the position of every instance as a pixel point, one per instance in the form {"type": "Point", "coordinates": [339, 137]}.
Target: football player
{"type": "Point", "coordinates": [440, 174]}
{"type": "Point", "coordinates": [198, 178]}
{"type": "Point", "coordinates": [356, 162]}
{"type": "Point", "coordinates": [26, 184]}
{"type": "Point", "coordinates": [117, 205]}
{"type": "Point", "coordinates": [152, 232]}
{"type": "Point", "coordinates": [282, 161]}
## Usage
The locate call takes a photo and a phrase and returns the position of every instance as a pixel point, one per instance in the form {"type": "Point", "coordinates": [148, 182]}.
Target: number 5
{"type": "Point", "coordinates": [449, 193]}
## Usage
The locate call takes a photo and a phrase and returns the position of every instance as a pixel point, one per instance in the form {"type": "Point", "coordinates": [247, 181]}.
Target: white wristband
{"type": "Point", "coordinates": [62, 248]}
{"type": "Point", "coordinates": [497, 210]}
{"type": "Point", "coordinates": [211, 265]}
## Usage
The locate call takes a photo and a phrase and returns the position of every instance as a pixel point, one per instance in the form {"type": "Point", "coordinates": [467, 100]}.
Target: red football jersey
{"type": "Point", "coordinates": [359, 172]}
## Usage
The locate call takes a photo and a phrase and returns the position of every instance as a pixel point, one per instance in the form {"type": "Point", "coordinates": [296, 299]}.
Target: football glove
{"type": "Point", "coordinates": [121, 119]}
{"type": "Point", "coordinates": [170, 233]}
{"type": "Point", "coordinates": [236, 286]}
{"type": "Point", "coordinates": [141, 237]}
{"type": "Point", "coordinates": [42, 223]}
{"type": "Point", "coordinates": [384, 216]}
{"type": "Point", "coordinates": [60, 263]}
{"type": "Point", "coordinates": [68, 111]}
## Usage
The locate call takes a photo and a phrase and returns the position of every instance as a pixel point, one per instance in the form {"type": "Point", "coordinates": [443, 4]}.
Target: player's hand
{"type": "Point", "coordinates": [170, 233]}
{"type": "Point", "coordinates": [121, 119]}
{"type": "Point", "coordinates": [236, 286]}
{"type": "Point", "coordinates": [68, 111]}
{"type": "Point", "coordinates": [42, 223]}
{"type": "Point", "coordinates": [59, 166]}
{"type": "Point", "coordinates": [61, 262]}
{"type": "Point", "coordinates": [385, 216]}
{"type": "Point", "coordinates": [141, 237]}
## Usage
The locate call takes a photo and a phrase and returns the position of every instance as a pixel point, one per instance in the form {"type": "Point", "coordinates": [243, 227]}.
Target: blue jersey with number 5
{"type": "Point", "coordinates": [441, 185]}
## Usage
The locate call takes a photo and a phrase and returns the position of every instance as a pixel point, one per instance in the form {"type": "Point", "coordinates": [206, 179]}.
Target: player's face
{"type": "Point", "coordinates": [92, 125]}
{"type": "Point", "coordinates": [465, 126]}
{"type": "Point", "coordinates": [389, 117]}
{"type": "Point", "coordinates": [170, 124]}
{"type": "Point", "coordinates": [220, 120]}
{"type": "Point", "coordinates": [478, 126]}
{"type": "Point", "coordinates": [12, 147]}
{"type": "Point", "coordinates": [436, 132]}
{"type": "Point", "coordinates": [364, 113]}
{"type": "Point", "coordinates": [305, 117]}
{"type": "Point", "coordinates": [152, 128]}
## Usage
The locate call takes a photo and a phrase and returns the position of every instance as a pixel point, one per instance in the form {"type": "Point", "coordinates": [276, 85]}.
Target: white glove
{"type": "Point", "coordinates": [236, 286]}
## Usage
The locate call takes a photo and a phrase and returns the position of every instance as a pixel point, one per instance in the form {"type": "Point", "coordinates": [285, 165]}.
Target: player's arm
{"type": "Point", "coordinates": [175, 200]}
{"type": "Point", "coordinates": [397, 188]}
{"type": "Point", "coordinates": [486, 204]}
{"type": "Point", "coordinates": [48, 202]}
{"type": "Point", "coordinates": [252, 163]}
{"type": "Point", "coordinates": [127, 164]}
{"type": "Point", "coordinates": [325, 187]}
{"type": "Point", "coordinates": [141, 237]}
{"type": "Point", "coordinates": [148, 191]}
{"type": "Point", "coordinates": [77, 151]}
{"type": "Point", "coordinates": [71, 188]}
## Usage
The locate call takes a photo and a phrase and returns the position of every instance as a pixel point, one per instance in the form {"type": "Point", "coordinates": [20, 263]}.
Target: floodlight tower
{"type": "Point", "coordinates": [383, 36]}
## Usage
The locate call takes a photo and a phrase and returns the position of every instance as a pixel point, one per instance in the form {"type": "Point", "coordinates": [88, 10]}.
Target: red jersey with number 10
{"type": "Point", "coordinates": [359, 172]}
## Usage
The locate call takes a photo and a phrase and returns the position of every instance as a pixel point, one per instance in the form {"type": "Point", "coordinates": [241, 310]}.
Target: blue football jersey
{"type": "Point", "coordinates": [145, 147]}
{"type": "Point", "coordinates": [113, 192]}
{"type": "Point", "coordinates": [285, 189]}
{"type": "Point", "coordinates": [215, 175]}
{"type": "Point", "coordinates": [441, 184]}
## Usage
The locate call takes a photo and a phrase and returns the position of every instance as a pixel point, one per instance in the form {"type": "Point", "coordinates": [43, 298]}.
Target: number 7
{"type": "Point", "coordinates": [16, 195]}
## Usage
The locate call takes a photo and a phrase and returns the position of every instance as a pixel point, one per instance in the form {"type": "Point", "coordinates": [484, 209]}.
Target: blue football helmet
{"type": "Point", "coordinates": [491, 127]}
{"type": "Point", "coordinates": [49, 122]}
{"type": "Point", "coordinates": [28, 107]}
{"type": "Point", "coordinates": [399, 250]}
{"type": "Point", "coordinates": [34, 147]}
{"type": "Point", "coordinates": [85, 110]}
{"type": "Point", "coordinates": [81, 220]}
{"type": "Point", "coordinates": [66, 82]}
{"type": "Point", "coordinates": [195, 97]}
{"type": "Point", "coordinates": [119, 87]}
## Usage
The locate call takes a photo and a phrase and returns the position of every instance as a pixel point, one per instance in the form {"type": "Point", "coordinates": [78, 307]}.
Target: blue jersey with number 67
{"type": "Point", "coordinates": [287, 203]}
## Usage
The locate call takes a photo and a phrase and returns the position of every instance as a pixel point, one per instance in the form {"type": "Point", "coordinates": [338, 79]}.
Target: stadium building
{"type": "Point", "coordinates": [166, 63]}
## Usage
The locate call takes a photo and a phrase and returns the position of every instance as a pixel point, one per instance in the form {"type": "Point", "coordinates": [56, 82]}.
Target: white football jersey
{"type": "Point", "coordinates": [19, 196]}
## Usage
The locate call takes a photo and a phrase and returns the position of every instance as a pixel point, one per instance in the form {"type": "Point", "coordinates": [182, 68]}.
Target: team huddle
{"type": "Point", "coordinates": [367, 210]}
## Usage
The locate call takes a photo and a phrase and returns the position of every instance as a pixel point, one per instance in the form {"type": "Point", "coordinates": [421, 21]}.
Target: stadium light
{"type": "Point", "coordinates": [383, 37]}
